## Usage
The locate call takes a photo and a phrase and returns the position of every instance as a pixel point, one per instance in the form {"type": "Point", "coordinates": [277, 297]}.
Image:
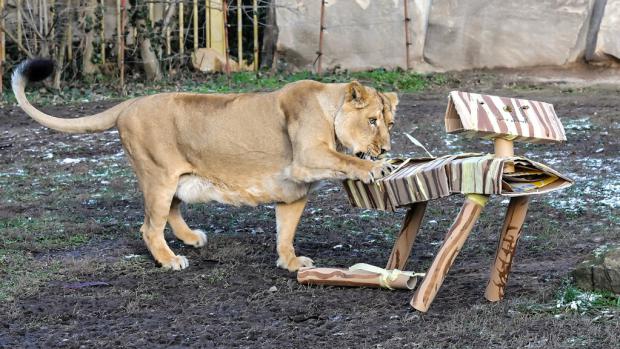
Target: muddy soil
{"type": "Point", "coordinates": [71, 211]}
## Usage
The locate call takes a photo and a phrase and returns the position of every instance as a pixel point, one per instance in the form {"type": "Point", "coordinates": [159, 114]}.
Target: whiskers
{"type": "Point", "coordinates": [368, 156]}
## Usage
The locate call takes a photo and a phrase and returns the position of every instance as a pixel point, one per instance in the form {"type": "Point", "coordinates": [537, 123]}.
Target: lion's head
{"type": "Point", "coordinates": [363, 123]}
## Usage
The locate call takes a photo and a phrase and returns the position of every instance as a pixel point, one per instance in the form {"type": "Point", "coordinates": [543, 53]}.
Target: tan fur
{"type": "Point", "coordinates": [240, 149]}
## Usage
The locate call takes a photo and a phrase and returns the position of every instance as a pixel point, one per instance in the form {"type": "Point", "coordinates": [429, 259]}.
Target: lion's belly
{"type": "Point", "coordinates": [196, 189]}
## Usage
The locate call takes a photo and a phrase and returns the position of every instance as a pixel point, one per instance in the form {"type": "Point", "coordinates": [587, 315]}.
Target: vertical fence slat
{"type": "Point", "coordinates": [320, 53]}
{"type": "Point", "coordinates": [168, 36]}
{"type": "Point", "coordinates": [407, 35]}
{"type": "Point", "coordinates": [18, 4]}
{"type": "Point", "coordinates": [195, 15]}
{"type": "Point", "coordinates": [2, 50]}
{"type": "Point", "coordinates": [44, 9]}
{"type": "Point", "coordinates": [226, 47]}
{"type": "Point", "coordinates": [70, 31]}
{"type": "Point", "coordinates": [120, 19]}
{"type": "Point", "coordinates": [255, 25]}
{"type": "Point", "coordinates": [239, 34]}
{"type": "Point", "coordinates": [207, 23]}
{"type": "Point", "coordinates": [52, 28]}
{"type": "Point", "coordinates": [102, 28]}
{"type": "Point", "coordinates": [181, 30]}
{"type": "Point", "coordinates": [151, 12]}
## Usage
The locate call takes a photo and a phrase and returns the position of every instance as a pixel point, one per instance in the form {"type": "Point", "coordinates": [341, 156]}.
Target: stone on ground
{"type": "Point", "coordinates": [601, 271]}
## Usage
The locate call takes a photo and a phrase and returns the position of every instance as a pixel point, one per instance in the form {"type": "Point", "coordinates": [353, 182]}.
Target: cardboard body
{"type": "Point", "coordinates": [418, 180]}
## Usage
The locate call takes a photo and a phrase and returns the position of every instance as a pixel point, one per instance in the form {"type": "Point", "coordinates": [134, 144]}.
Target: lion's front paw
{"type": "Point", "coordinates": [176, 263]}
{"type": "Point", "coordinates": [293, 264]}
{"type": "Point", "coordinates": [379, 169]}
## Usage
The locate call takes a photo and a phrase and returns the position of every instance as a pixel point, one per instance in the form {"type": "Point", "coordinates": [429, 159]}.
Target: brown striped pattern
{"type": "Point", "coordinates": [453, 242]}
{"type": "Point", "coordinates": [352, 278]}
{"type": "Point", "coordinates": [511, 230]}
{"type": "Point", "coordinates": [485, 116]}
{"type": "Point", "coordinates": [420, 180]}
{"type": "Point", "coordinates": [406, 237]}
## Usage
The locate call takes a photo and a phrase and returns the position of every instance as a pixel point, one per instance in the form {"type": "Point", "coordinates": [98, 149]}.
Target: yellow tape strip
{"type": "Point", "coordinates": [478, 199]}
{"type": "Point", "coordinates": [387, 276]}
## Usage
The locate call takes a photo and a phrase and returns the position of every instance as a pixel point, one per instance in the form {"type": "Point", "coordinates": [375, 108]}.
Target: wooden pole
{"type": "Point", "coordinates": [52, 29]}
{"type": "Point", "coordinates": [255, 25]}
{"type": "Point", "coordinates": [120, 17]}
{"type": "Point", "coordinates": [406, 237]}
{"type": "Point", "coordinates": [407, 35]}
{"type": "Point", "coordinates": [455, 238]}
{"type": "Point", "coordinates": [320, 52]}
{"type": "Point", "coordinates": [239, 34]}
{"type": "Point", "coordinates": [181, 30]}
{"type": "Point", "coordinates": [35, 42]}
{"type": "Point", "coordinates": [2, 43]}
{"type": "Point", "coordinates": [505, 148]}
{"type": "Point", "coordinates": [151, 13]}
{"type": "Point", "coordinates": [18, 4]}
{"type": "Point", "coordinates": [226, 47]}
{"type": "Point", "coordinates": [168, 36]}
{"type": "Point", "coordinates": [102, 5]}
{"type": "Point", "coordinates": [207, 23]}
{"type": "Point", "coordinates": [70, 31]}
{"type": "Point", "coordinates": [195, 15]}
{"type": "Point", "coordinates": [515, 216]}
{"type": "Point", "coordinates": [43, 17]}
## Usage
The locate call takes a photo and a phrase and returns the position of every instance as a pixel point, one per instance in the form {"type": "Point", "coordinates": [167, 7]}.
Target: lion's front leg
{"type": "Point", "coordinates": [328, 164]}
{"type": "Point", "coordinates": [287, 218]}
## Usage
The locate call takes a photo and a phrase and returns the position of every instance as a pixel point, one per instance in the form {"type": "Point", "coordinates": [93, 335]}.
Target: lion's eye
{"type": "Point", "coordinates": [372, 121]}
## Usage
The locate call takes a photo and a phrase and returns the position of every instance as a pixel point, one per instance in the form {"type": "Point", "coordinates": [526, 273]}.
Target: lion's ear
{"type": "Point", "coordinates": [357, 94]}
{"type": "Point", "coordinates": [393, 98]}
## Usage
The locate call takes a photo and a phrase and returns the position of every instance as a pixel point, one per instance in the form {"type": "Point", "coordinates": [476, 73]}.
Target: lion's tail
{"type": "Point", "coordinates": [39, 69]}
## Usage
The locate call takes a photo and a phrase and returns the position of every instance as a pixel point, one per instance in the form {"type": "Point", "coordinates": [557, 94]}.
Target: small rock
{"type": "Point", "coordinates": [273, 289]}
{"type": "Point", "coordinates": [601, 271]}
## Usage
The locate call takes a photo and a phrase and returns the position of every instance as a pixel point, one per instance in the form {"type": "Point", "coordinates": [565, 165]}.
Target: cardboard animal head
{"type": "Point", "coordinates": [489, 117]}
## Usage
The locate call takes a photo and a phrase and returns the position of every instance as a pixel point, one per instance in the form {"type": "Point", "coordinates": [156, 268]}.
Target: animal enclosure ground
{"type": "Point", "coordinates": [75, 273]}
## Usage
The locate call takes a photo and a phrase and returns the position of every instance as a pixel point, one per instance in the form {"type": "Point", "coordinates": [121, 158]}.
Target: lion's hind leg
{"type": "Point", "coordinates": [157, 202]}
{"type": "Point", "coordinates": [196, 237]}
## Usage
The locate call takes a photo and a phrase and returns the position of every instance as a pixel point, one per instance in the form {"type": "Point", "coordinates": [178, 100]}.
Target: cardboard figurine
{"type": "Point", "coordinates": [477, 176]}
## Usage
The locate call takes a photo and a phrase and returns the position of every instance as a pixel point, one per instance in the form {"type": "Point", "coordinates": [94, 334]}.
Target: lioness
{"type": "Point", "coordinates": [238, 149]}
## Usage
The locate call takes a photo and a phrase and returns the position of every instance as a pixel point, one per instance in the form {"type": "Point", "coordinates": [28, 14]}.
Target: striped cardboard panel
{"type": "Point", "coordinates": [419, 180]}
{"type": "Point", "coordinates": [489, 117]}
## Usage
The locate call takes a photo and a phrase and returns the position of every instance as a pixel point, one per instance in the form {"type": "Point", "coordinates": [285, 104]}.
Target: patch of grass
{"type": "Point", "coordinates": [381, 79]}
{"type": "Point", "coordinates": [384, 80]}
{"type": "Point", "coordinates": [571, 299]}
{"type": "Point", "coordinates": [39, 233]}
{"type": "Point", "coordinates": [22, 275]}
{"type": "Point", "coordinates": [22, 270]}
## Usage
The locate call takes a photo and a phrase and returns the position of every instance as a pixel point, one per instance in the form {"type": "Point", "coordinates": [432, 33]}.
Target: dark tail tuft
{"type": "Point", "coordinates": [35, 69]}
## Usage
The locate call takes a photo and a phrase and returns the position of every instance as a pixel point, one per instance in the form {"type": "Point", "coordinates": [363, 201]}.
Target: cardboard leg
{"type": "Point", "coordinates": [455, 238]}
{"type": "Point", "coordinates": [515, 216]}
{"type": "Point", "coordinates": [406, 237]}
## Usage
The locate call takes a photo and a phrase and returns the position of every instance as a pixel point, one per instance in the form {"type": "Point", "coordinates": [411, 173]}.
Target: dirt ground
{"type": "Point", "coordinates": [75, 272]}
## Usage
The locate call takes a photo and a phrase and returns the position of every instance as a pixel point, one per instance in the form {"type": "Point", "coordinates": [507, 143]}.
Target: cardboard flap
{"type": "Point", "coordinates": [515, 119]}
